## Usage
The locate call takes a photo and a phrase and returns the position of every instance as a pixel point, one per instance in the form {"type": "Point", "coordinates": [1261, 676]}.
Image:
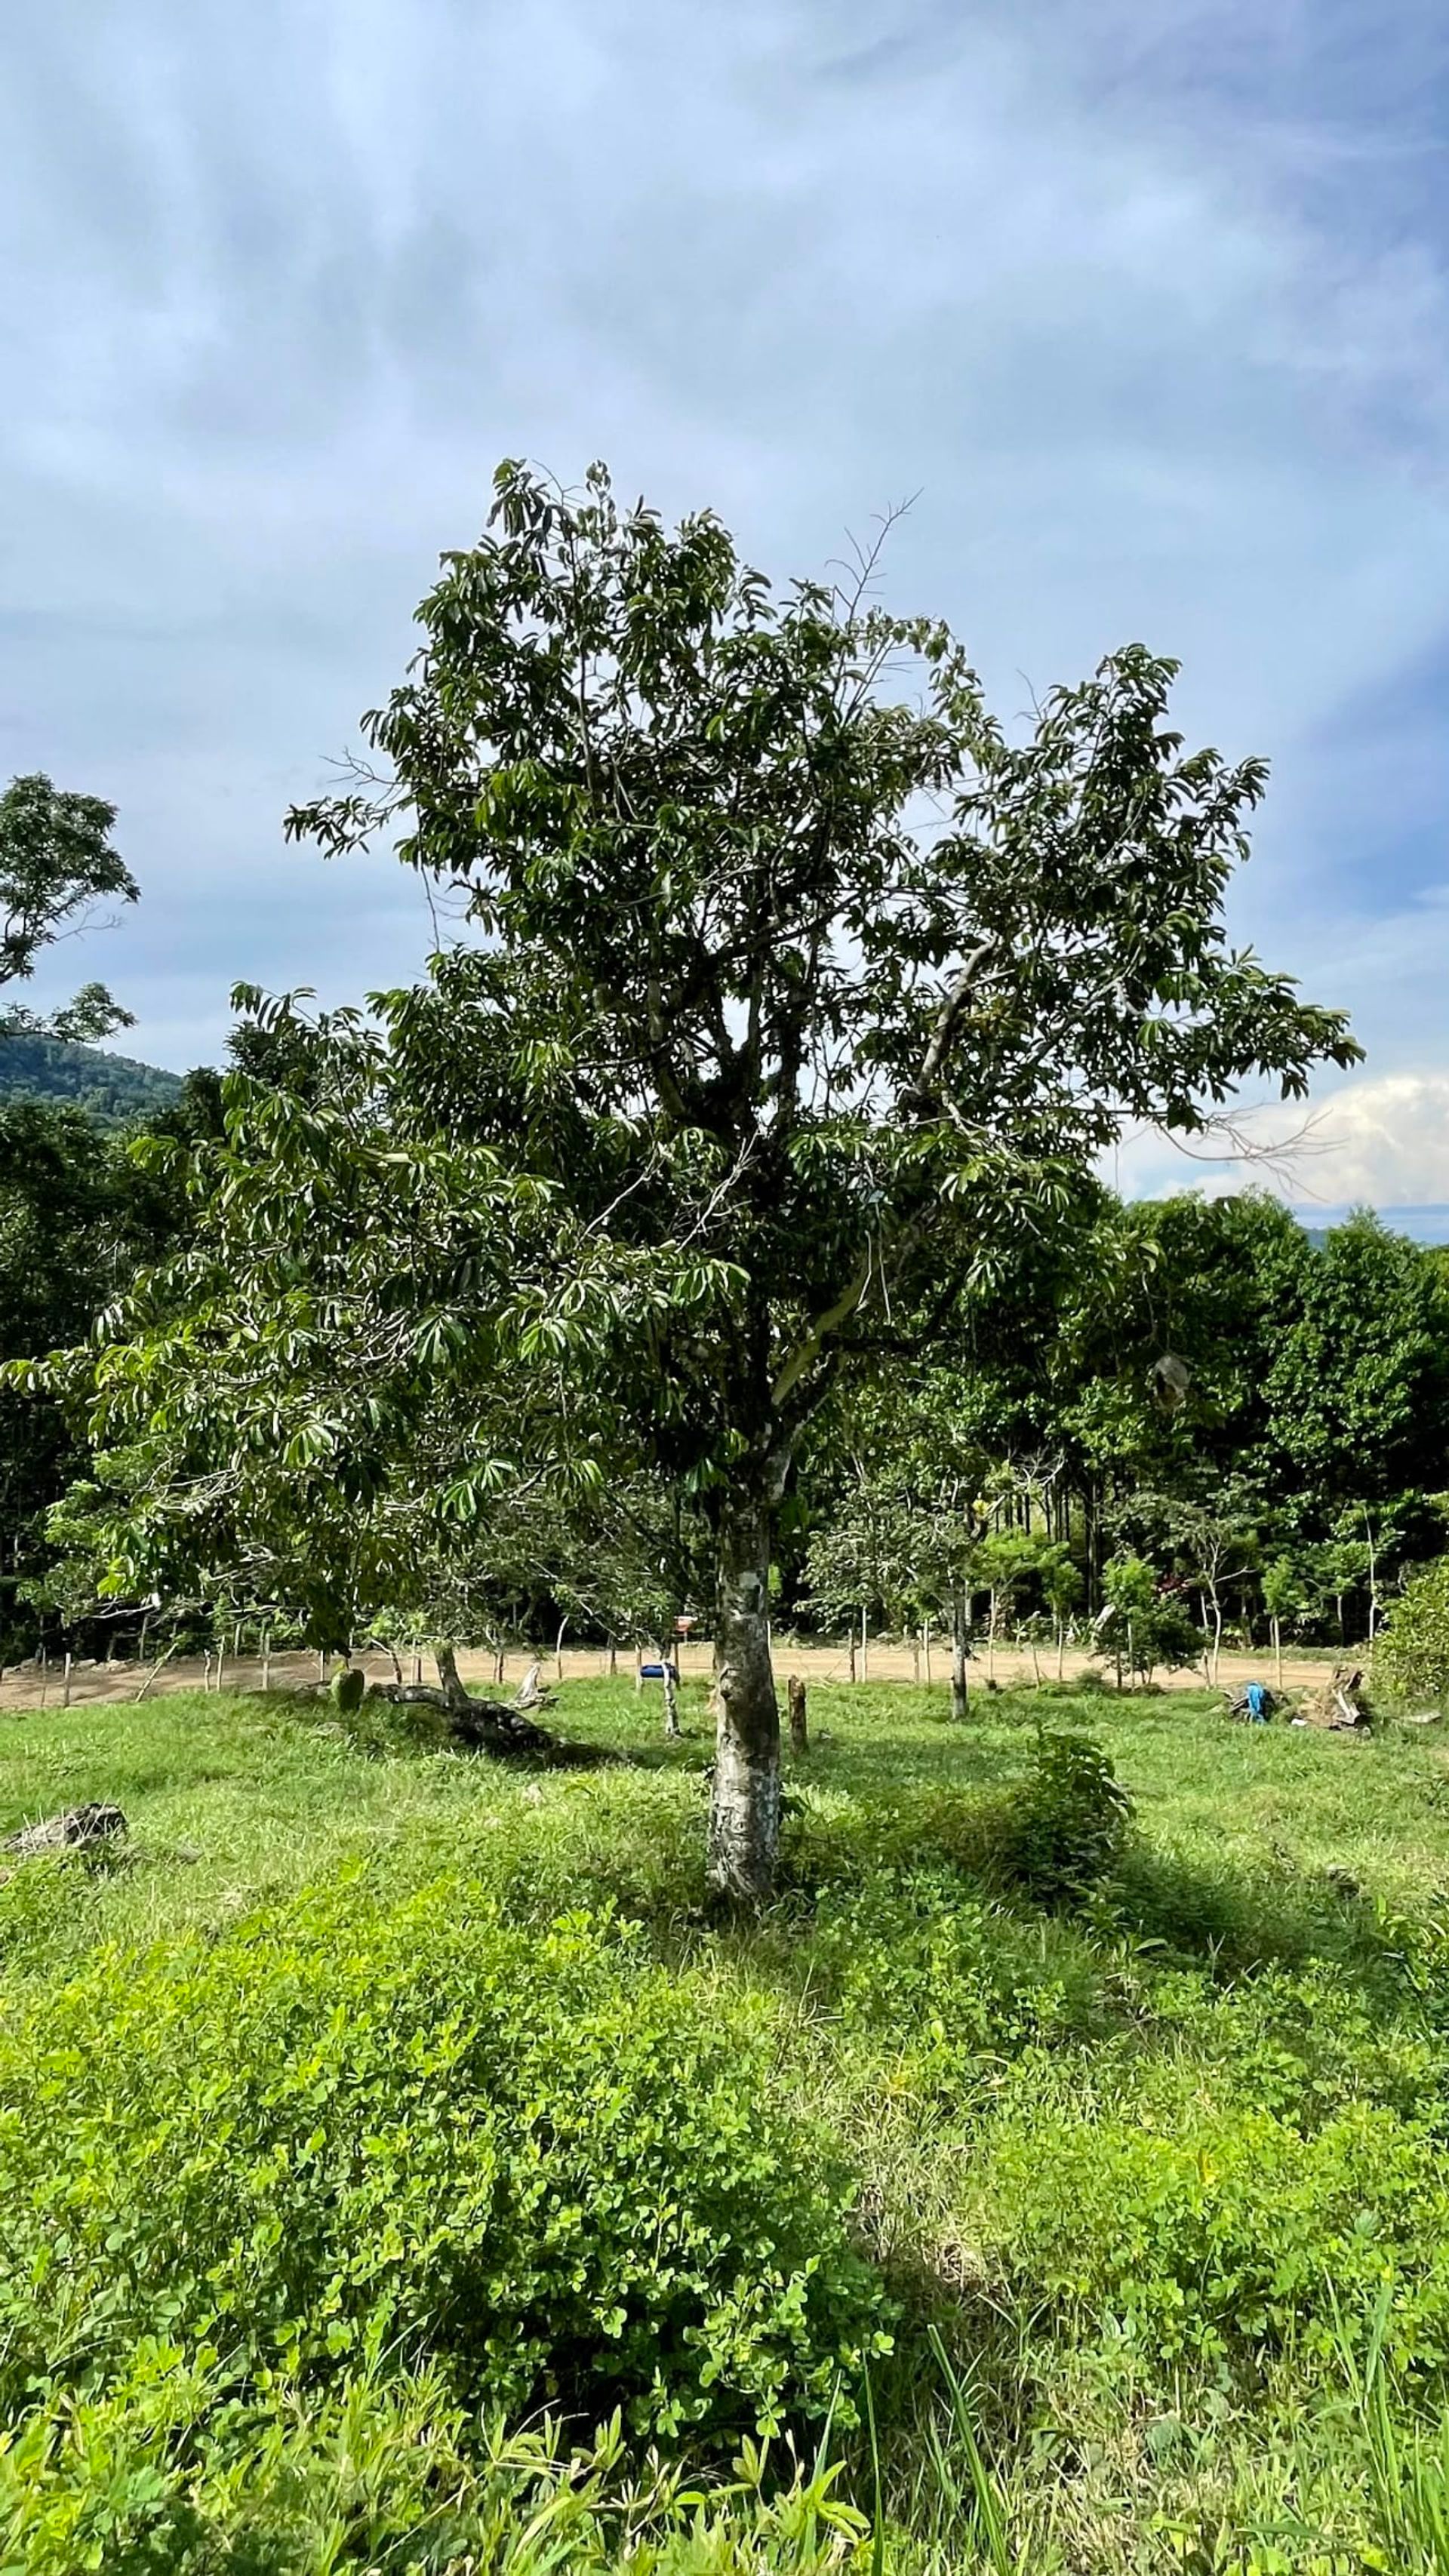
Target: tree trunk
{"type": "Point", "coordinates": [960, 1696]}
{"type": "Point", "coordinates": [671, 1696]}
{"type": "Point", "coordinates": [799, 1727]}
{"type": "Point", "coordinates": [926, 1649]}
{"type": "Point", "coordinates": [1277, 1628]}
{"type": "Point", "coordinates": [852, 1651]}
{"type": "Point", "coordinates": [744, 1822]}
{"type": "Point", "coordinates": [1061, 1650]}
{"type": "Point", "coordinates": [864, 1648]}
{"type": "Point", "coordinates": [446, 1659]}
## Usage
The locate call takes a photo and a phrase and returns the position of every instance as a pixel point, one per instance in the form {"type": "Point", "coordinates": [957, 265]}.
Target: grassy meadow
{"type": "Point", "coordinates": [404, 2170]}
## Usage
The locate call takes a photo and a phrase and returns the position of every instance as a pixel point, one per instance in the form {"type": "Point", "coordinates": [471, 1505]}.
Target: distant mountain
{"type": "Point", "coordinates": [112, 1088]}
{"type": "Point", "coordinates": [1420, 1224]}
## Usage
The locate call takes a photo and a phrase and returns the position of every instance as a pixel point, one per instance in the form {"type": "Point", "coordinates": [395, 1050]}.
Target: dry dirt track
{"type": "Point", "coordinates": [24, 1687]}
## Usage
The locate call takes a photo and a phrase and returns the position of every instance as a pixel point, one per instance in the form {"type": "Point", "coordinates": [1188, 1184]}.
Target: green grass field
{"type": "Point", "coordinates": [381, 2120]}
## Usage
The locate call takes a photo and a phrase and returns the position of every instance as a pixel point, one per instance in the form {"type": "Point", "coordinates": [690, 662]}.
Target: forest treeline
{"type": "Point", "coordinates": [1188, 1406]}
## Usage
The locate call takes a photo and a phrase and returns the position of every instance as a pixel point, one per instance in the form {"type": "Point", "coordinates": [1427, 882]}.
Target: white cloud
{"type": "Point", "coordinates": [1383, 1143]}
{"type": "Point", "coordinates": [1377, 1143]}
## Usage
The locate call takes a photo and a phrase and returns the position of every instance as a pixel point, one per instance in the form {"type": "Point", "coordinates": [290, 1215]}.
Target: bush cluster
{"type": "Point", "coordinates": [349, 2138]}
{"type": "Point", "coordinates": [1068, 1824]}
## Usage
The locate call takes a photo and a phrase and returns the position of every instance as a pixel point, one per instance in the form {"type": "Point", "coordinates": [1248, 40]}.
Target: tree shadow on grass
{"type": "Point", "coordinates": [1235, 1917]}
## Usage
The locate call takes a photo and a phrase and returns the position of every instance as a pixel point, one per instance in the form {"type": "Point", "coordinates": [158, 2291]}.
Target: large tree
{"type": "Point", "coordinates": [792, 954]}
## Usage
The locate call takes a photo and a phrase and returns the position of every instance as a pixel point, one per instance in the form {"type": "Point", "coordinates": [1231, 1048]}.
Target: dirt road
{"type": "Point", "coordinates": [25, 1686]}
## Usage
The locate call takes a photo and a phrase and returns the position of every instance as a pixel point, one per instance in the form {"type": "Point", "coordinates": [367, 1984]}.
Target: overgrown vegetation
{"type": "Point", "coordinates": [376, 2099]}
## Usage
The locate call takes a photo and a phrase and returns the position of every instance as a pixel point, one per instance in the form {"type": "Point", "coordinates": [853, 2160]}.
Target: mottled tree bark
{"type": "Point", "coordinates": [744, 1823]}
{"type": "Point", "coordinates": [799, 1723]}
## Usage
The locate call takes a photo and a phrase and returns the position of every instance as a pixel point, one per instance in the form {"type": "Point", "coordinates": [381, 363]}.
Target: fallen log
{"type": "Point", "coordinates": [486, 1725]}
{"type": "Point", "coordinates": [69, 1831]}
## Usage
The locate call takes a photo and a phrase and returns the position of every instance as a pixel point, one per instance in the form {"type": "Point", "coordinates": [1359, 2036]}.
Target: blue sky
{"type": "Point", "coordinates": [1148, 305]}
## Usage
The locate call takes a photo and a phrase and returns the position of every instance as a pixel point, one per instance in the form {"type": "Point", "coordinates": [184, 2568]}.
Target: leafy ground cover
{"type": "Point", "coordinates": [1045, 2182]}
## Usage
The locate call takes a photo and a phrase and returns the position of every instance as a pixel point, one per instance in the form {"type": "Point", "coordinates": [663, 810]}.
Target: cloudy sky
{"type": "Point", "coordinates": [1147, 304]}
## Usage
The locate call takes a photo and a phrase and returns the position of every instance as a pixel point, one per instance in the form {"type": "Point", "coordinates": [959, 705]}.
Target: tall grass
{"type": "Point", "coordinates": [1407, 2460]}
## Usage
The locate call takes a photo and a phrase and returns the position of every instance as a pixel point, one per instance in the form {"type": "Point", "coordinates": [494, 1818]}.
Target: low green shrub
{"type": "Point", "coordinates": [1224, 2245]}
{"type": "Point", "coordinates": [344, 2131]}
{"type": "Point", "coordinates": [1066, 1827]}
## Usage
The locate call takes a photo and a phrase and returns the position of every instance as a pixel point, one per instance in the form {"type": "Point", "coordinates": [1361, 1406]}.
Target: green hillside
{"type": "Point", "coordinates": [113, 1088]}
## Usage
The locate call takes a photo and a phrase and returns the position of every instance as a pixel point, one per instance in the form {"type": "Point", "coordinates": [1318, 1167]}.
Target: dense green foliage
{"type": "Point", "coordinates": [112, 1089]}
{"type": "Point", "coordinates": [1306, 1455]}
{"type": "Point", "coordinates": [1412, 1661]}
{"type": "Point", "coordinates": [1147, 2160]}
{"type": "Point", "coordinates": [78, 1218]}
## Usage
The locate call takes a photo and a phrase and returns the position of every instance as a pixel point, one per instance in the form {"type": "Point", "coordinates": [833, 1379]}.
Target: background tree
{"type": "Point", "coordinates": [1002, 1566]}
{"type": "Point", "coordinates": [1209, 1538]}
{"type": "Point", "coordinates": [78, 1219]}
{"type": "Point", "coordinates": [1411, 1658]}
{"type": "Point", "coordinates": [56, 865]}
{"type": "Point", "coordinates": [1284, 1597]}
{"type": "Point", "coordinates": [737, 996]}
{"type": "Point", "coordinates": [1062, 1587]}
{"type": "Point", "coordinates": [1140, 1626]}
{"type": "Point", "coordinates": [343, 1389]}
